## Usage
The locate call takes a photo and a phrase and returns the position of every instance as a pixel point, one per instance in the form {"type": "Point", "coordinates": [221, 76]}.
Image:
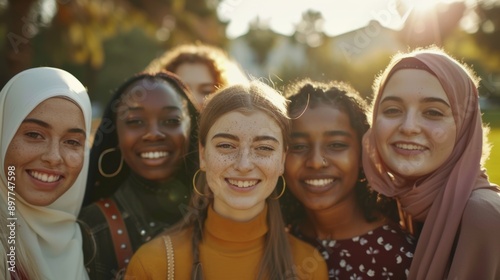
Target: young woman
{"type": "Point", "coordinates": [234, 228]}
{"type": "Point", "coordinates": [45, 125]}
{"type": "Point", "coordinates": [426, 148]}
{"type": "Point", "coordinates": [140, 170]}
{"type": "Point", "coordinates": [332, 206]}
{"type": "Point", "coordinates": [203, 68]}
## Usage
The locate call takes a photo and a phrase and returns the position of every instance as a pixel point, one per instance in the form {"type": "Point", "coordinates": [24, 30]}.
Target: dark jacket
{"type": "Point", "coordinates": [147, 210]}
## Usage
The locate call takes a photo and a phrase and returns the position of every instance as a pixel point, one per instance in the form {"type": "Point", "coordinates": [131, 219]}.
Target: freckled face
{"type": "Point", "coordinates": [243, 158]}
{"type": "Point", "coordinates": [198, 78]}
{"type": "Point", "coordinates": [415, 129]}
{"type": "Point", "coordinates": [323, 161]}
{"type": "Point", "coordinates": [153, 129]}
{"type": "Point", "coordinates": [47, 151]}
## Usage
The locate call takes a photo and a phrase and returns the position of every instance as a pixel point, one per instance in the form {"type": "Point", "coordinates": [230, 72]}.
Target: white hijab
{"type": "Point", "coordinates": [50, 233]}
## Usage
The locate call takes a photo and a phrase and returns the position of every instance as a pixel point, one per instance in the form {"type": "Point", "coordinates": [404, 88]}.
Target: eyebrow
{"type": "Point", "coordinates": [171, 108]}
{"type": "Point", "coordinates": [234, 137]}
{"type": "Point", "coordinates": [327, 133]}
{"type": "Point", "coordinates": [435, 99]}
{"type": "Point", "coordinates": [48, 126]}
{"type": "Point", "coordinates": [338, 133]}
{"type": "Point", "coordinates": [424, 100]}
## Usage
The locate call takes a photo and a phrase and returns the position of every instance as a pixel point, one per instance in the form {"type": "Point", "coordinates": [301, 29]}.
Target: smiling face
{"type": "Point", "coordinates": [323, 161]}
{"type": "Point", "coordinates": [243, 158]}
{"type": "Point", "coordinates": [47, 151]}
{"type": "Point", "coordinates": [415, 130]}
{"type": "Point", "coordinates": [153, 129]}
{"type": "Point", "coordinates": [198, 78]}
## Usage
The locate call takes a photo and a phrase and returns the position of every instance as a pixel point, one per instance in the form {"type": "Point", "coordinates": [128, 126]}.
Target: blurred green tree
{"type": "Point", "coordinates": [75, 34]}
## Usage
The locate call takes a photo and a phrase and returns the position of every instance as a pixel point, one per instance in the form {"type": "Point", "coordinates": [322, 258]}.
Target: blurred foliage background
{"type": "Point", "coordinates": [103, 42]}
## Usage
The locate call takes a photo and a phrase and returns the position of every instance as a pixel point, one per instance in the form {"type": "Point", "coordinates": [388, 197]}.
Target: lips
{"type": "Point", "coordinates": [319, 182]}
{"type": "Point", "coordinates": [154, 154]}
{"type": "Point", "coordinates": [409, 147]}
{"type": "Point", "coordinates": [243, 183]}
{"type": "Point", "coordinates": [44, 177]}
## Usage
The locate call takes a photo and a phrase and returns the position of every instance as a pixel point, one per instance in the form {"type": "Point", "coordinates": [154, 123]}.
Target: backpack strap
{"type": "Point", "coordinates": [118, 230]}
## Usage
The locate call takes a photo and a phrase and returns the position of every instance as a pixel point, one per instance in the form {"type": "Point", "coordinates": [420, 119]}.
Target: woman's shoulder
{"type": "Point", "coordinates": [92, 216]}
{"type": "Point", "coordinates": [309, 262]}
{"type": "Point", "coordinates": [394, 233]}
{"type": "Point", "coordinates": [300, 246]}
{"type": "Point", "coordinates": [482, 210]}
{"type": "Point", "coordinates": [150, 261]}
{"type": "Point", "coordinates": [156, 248]}
{"type": "Point", "coordinates": [97, 214]}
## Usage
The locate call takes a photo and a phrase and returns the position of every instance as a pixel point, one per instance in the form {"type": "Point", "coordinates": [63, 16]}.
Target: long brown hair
{"type": "Point", "coordinates": [276, 262]}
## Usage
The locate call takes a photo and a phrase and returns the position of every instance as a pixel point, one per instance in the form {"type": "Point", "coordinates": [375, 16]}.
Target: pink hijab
{"type": "Point", "coordinates": [438, 199]}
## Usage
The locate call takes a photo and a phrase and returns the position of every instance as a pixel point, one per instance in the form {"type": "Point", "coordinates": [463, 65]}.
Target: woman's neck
{"type": "Point", "coordinates": [160, 200]}
{"type": "Point", "coordinates": [142, 184]}
{"type": "Point", "coordinates": [345, 220]}
{"type": "Point", "coordinates": [239, 215]}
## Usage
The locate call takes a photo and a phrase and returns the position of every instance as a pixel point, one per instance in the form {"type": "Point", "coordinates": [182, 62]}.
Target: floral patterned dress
{"type": "Point", "coordinates": [383, 253]}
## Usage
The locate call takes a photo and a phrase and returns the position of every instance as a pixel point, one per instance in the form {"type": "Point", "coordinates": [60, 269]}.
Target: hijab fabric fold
{"type": "Point", "coordinates": [50, 233]}
{"type": "Point", "coordinates": [440, 198]}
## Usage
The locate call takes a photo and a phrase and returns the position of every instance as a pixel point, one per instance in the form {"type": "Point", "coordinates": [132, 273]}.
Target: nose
{"type": "Point", "coordinates": [52, 154]}
{"type": "Point", "coordinates": [244, 161]}
{"type": "Point", "coordinates": [153, 133]}
{"type": "Point", "coordinates": [315, 159]}
{"type": "Point", "coordinates": [410, 124]}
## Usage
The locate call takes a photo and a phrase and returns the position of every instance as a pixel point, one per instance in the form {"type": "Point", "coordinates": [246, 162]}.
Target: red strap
{"type": "Point", "coordinates": [119, 234]}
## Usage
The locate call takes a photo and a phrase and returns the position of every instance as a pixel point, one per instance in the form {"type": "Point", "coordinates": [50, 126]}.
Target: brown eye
{"type": "Point", "coordinates": [434, 113]}
{"type": "Point", "coordinates": [338, 146]}
{"type": "Point", "coordinates": [391, 111]}
{"type": "Point", "coordinates": [172, 121]}
{"type": "Point", "coordinates": [224, 146]}
{"type": "Point", "coordinates": [134, 122]}
{"type": "Point", "coordinates": [298, 147]}
{"type": "Point", "coordinates": [74, 143]}
{"type": "Point", "coordinates": [265, 148]}
{"type": "Point", "coordinates": [34, 135]}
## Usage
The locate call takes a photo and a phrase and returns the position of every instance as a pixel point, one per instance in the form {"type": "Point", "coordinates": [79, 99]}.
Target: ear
{"type": "Point", "coordinates": [201, 153]}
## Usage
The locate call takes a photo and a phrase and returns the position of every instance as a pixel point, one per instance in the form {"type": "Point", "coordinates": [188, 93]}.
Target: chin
{"type": "Point", "coordinates": [40, 203]}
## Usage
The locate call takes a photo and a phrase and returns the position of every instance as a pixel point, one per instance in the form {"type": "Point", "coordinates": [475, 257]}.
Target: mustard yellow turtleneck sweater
{"type": "Point", "coordinates": [230, 250]}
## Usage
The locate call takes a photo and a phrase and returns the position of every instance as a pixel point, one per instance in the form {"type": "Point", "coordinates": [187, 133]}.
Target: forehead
{"type": "Point", "coordinates": [414, 83]}
{"type": "Point", "coordinates": [323, 118]}
{"type": "Point", "coordinates": [194, 72]}
{"type": "Point", "coordinates": [151, 93]}
{"type": "Point", "coordinates": [56, 105]}
{"type": "Point", "coordinates": [246, 125]}
{"type": "Point", "coordinates": [59, 113]}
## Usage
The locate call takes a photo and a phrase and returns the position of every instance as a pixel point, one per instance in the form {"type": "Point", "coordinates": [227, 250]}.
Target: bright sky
{"type": "Point", "coordinates": [282, 15]}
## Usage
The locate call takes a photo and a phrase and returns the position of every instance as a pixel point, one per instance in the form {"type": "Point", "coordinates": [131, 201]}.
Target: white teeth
{"type": "Point", "coordinates": [154, 155]}
{"type": "Point", "coordinates": [243, 184]}
{"type": "Point", "coordinates": [319, 182]}
{"type": "Point", "coordinates": [409, 147]}
{"type": "Point", "coordinates": [44, 177]}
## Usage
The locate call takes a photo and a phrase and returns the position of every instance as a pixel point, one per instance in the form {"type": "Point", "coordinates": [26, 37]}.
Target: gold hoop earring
{"type": "Point", "coordinates": [194, 183]}
{"type": "Point", "coordinates": [282, 190]}
{"type": "Point", "coordinates": [99, 163]}
{"type": "Point", "coordinates": [362, 175]}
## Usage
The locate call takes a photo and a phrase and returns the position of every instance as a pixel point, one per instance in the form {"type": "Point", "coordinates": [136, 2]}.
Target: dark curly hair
{"type": "Point", "coordinates": [307, 94]}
